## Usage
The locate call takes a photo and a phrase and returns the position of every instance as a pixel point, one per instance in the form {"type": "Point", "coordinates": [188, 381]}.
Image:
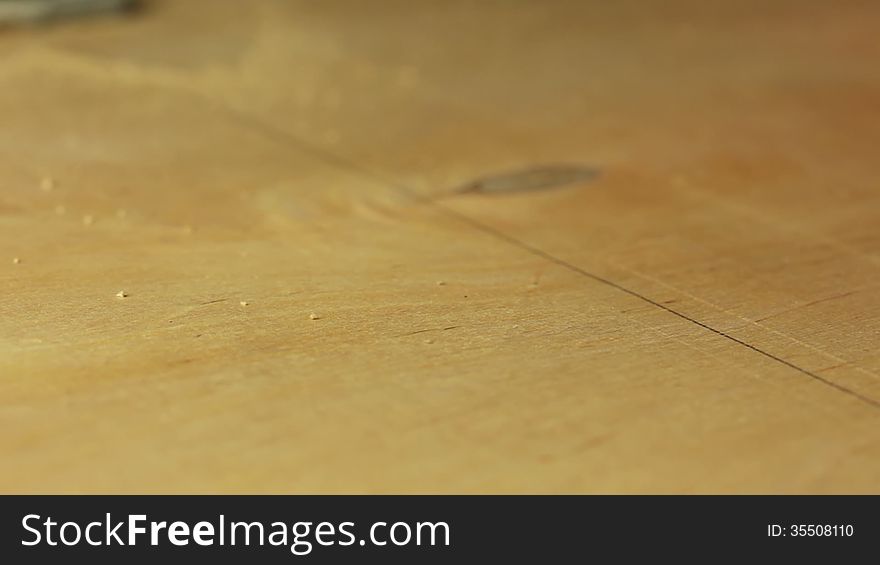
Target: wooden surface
{"type": "Point", "coordinates": [702, 316]}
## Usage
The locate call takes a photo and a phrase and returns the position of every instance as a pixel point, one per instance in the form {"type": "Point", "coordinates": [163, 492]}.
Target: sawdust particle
{"type": "Point", "coordinates": [60, 210]}
{"type": "Point", "coordinates": [88, 220]}
{"type": "Point", "coordinates": [47, 184]}
{"type": "Point", "coordinates": [314, 316]}
{"type": "Point", "coordinates": [244, 302]}
{"type": "Point", "coordinates": [121, 294]}
{"type": "Point", "coordinates": [16, 260]}
{"type": "Point", "coordinates": [121, 213]}
{"type": "Point", "coordinates": [441, 283]}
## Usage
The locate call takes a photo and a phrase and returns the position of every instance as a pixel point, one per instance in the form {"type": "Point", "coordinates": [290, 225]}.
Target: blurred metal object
{"type": "Point", "coordinates": [30, 11]}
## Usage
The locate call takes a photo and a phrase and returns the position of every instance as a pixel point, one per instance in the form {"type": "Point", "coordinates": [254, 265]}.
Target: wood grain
{"type": "Point", "coordinates": [699, 313]}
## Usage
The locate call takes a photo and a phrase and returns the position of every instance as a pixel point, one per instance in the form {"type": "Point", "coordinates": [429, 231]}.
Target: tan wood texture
{"type": "Point", "coordinates": [701, 315]}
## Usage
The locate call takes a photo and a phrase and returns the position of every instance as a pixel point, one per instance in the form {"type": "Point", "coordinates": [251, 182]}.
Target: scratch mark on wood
{"type": "Point", "coordinates": [429, 330]}
{"type": "Point", "coordinates": [808, 304]}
